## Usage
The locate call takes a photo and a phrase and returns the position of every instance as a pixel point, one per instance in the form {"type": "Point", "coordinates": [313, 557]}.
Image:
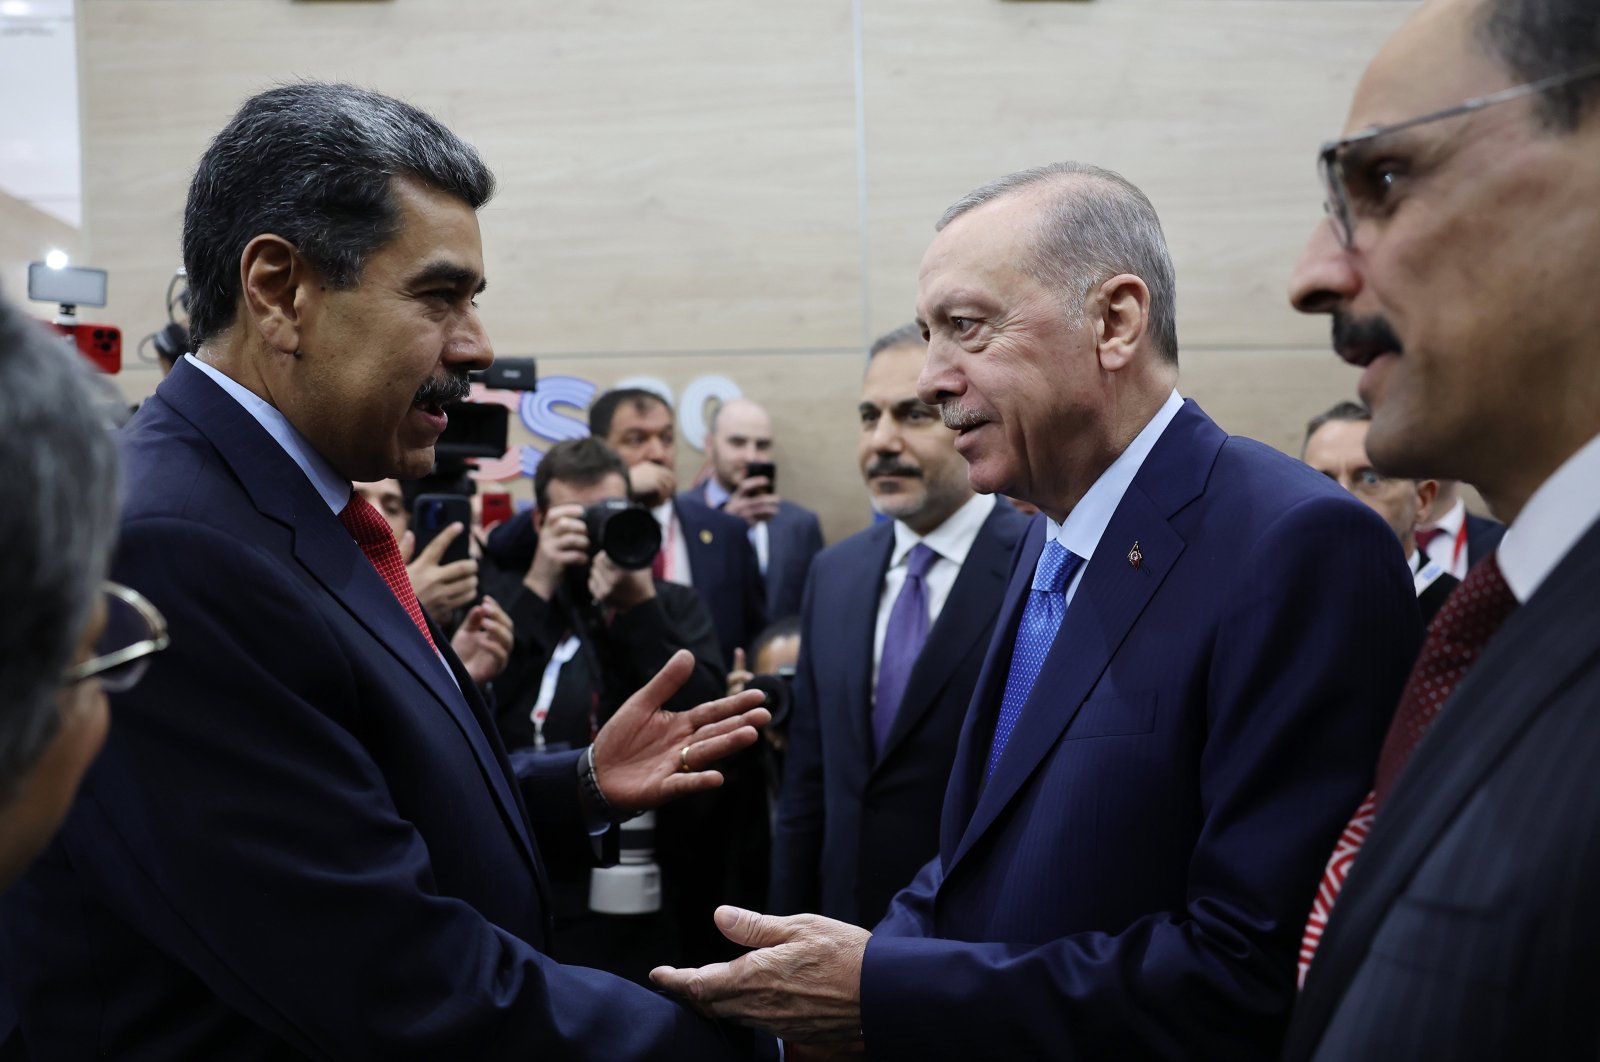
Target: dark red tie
{"type": "Point", "coordinates": [373, 534]}
{"type": "Point", "coordinates": [1456, 638]}
{"type": "Point", "coordinates": [1426, 535]}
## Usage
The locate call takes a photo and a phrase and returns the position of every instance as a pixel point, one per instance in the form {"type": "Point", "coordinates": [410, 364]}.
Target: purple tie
{"type": "Point", "coordinates": [902, 641]}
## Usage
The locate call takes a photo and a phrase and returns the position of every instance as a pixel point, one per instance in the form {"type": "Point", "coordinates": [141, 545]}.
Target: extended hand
{"type": "Point", "coordinates": [440, 588]}
{"type": "Point", "coordinates": [618, 587]}
{"type": "Point", "coordinates": [753, 501]}
{"type": "Point", "coordinates": [804, 984]}
{"type": "Point", "coordinates": [483, 641]}
{"type": "Point", "coordinates": [651, 483]}
{"type": "Point", "coordinates": [641, 752]}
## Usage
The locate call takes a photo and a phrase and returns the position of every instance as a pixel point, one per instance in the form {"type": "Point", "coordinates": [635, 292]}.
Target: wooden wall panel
{"type": "Point", "coordinates": [686, 190]}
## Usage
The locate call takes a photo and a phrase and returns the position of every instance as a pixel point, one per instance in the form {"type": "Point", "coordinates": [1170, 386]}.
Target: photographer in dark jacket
{"type": "Point", "coordinates": [571, 613]}
{"type": "Point", "coordinates": [588, 631]}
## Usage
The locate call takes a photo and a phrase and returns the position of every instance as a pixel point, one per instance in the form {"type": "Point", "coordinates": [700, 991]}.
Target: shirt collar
{"type": "Point", "coordinates": [951, 539]}
{"type": "Point", "coordinates": [333, 488]}
{"type": "Point", "coordinates": [1544, 532]}
{"type": "Point", "coordinates": [1080, 532]}
{"type": "Point", "coordinates": [716, 494]}
{"type": "Point", "coordinates": [1450, 523]}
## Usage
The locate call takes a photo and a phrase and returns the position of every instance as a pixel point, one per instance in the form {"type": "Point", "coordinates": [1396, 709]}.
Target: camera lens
{"type": "Point", "coordinates": [627, 533]}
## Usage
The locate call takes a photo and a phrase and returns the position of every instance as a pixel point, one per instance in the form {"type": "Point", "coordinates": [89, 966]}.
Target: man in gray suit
{"type": "Point", "coordinates": [1457, 261]}
{"type": "Point", "coordinates": [784, 535]}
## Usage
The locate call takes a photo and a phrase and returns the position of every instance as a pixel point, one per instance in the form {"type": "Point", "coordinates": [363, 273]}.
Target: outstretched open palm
{"type": "Point", "coordinates": [645, 756]}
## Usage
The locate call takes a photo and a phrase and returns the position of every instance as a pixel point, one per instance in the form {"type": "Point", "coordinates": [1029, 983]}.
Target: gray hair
{"type": "Point", "coordinates": [907, 335]}
{"type": "Point", "coordinates": [56, 533]}
{"type": "Point", "coordinates": [313, 163]}
{"type": "Point", "coordinates": [1098, 224]}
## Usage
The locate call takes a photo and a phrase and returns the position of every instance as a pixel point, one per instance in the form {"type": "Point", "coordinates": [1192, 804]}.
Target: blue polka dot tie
{"type": "Point", "coordinates": [1041, 619]}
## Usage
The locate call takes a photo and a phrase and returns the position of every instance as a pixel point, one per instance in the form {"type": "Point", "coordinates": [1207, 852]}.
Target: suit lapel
{"type": "Point", "coordinates": [1109, 599]}
{"type": "Point", "coordinates": [959, 622]}
{"type": "Point", "coordinates": [856, 623]}
{"type": "Point", "coordinates": [281, 492]}
{"type": "Point", "coordinates": [972, 749]}
{"type": "Point", "coordinates": [1528, 661]}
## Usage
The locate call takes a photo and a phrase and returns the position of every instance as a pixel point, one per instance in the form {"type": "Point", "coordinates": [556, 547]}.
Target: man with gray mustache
{"type": "Point", "coordinates": [1190, 671]}
{"type": "Point", "coordinates": [893, 625]}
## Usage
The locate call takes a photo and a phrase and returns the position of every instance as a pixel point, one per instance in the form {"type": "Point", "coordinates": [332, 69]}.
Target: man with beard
{"type": "Point", "coordinates": [303, 839]}
{"type": "Point", "coordinates": [786, 537]}
{"type": "Point", "coordinates": [1458, 260]}
{"type": "Point", "coordinates": [887, 663]}
{"type": "Point", "coordinates": [1164, 740]}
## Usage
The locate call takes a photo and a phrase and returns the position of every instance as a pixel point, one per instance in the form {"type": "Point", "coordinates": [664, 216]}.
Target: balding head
{"type": "Point", "coordinates": [741, 432]}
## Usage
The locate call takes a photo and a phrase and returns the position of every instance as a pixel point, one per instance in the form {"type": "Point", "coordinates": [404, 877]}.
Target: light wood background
{"type": "Point", "coordinates": [745, 187]}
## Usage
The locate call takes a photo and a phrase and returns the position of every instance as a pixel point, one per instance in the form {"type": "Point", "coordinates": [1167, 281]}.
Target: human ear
{"type": "Point", "coordinates": [1121, 306]}
{"type": "Point", "coordinates": [274, 280]}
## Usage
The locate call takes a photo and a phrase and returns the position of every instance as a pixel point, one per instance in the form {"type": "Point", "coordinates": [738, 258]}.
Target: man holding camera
{"type": "Point", "coordinates": [585, 626]}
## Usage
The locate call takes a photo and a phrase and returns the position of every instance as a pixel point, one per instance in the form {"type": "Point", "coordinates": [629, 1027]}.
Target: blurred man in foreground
{"type": "Point", "coordinates": [1457, 261]}
{"type": "Point", "coordinates": [66, 634]}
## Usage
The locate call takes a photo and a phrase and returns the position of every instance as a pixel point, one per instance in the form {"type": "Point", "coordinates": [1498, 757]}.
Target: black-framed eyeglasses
{"type": "Point", "coordinates": [134, 631]}
{"type": "Point", "coordinates": [1330, 159]}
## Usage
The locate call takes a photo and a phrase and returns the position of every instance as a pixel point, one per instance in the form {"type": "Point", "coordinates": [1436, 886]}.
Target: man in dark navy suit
{"type": "Point", "coordinates": [785, 536]}
{"type": "Point", "coordinates": [882, 686]}
{"type": "Point", "coordinates": [1164, 740]}
{"type": "Point", "coordinates": [303, 839]}
{"type": "Point", "coordinates": [1457, 261]}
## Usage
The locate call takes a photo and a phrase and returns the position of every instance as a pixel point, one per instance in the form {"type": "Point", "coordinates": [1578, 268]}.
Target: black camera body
{"type": "Point", "coordinates": [625, 530]}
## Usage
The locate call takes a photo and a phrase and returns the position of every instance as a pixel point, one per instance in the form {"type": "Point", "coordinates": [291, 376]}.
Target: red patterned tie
{"type": "Point", "coordinates": [1456, 639]}
{"type": "Point", "coordinates": [373, 534]}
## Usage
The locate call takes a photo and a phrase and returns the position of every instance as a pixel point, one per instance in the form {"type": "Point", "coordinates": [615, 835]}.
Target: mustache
{"type": "Point", "coordinates": [958, 418]}
{"type": "Point", "coordinates": [888, 466]}
{"type": "Point", "coordinates": [451, 387]}
{"type": "Point", "coordinates": [1360, 339]}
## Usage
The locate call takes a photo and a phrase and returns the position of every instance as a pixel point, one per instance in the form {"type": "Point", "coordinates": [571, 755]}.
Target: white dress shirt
{"type": "Point", "coordinates": [717, 496]}
{"type": "Point", "coordinates": [1449, 547]}
{"type": "Point", "coordinates": [678, 570]}
{"type": "Point", "coordinates": [952, 541]}
{"type": "Point", "coordinates": [1544, 532]}
{"type": "Point", "coordinates": [1084, 526]}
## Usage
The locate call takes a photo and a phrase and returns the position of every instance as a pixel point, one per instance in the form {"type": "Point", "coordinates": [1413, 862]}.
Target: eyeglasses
{"type": "Point", "coordinates": [134, 631]}
{"type": "Point", "coordinates": [1330, 160]}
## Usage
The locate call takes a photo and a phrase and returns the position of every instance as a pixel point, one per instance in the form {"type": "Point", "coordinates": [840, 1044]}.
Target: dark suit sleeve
{"type": "Point", "coordinates": [796, 884]}
{"type": "Point", "coordinates": [258, 843]}
{"type": "Point", "coordinates": [1311, 650]}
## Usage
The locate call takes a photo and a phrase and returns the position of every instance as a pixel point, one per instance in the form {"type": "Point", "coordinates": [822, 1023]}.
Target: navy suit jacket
{"type": "Point", "coordinates": [794, 538]}
{"type": "Point", "coordinates": [1468, 926]}
{"type": "Point", "coordinates": [302, 840]}
{"type": "Point", "coordinates": [853, 826]}
{"type": "Point", "coordinates": [1133, 880]}
{"type": "Point", "coordinates": [723, 567]}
